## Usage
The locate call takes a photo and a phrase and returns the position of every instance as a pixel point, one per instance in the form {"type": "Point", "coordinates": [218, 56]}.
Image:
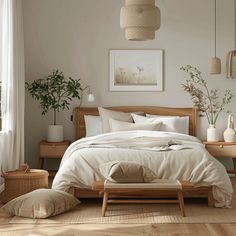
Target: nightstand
{"type": "Point", "coordinates": [222, 149]}
{"type": "Point", "coordinates": [51, 150]}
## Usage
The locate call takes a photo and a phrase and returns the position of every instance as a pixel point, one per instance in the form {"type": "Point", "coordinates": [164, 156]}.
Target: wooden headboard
{"type": "Point", "coordinates": [81, 111]}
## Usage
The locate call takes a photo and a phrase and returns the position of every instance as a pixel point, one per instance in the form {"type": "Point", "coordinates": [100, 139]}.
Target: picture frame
{"type": "Point", "coordinates": [136, 70]}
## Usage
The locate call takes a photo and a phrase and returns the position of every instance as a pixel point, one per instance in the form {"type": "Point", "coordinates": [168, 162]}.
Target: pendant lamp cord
{"type": "Point", "coordinates": [215, 28]}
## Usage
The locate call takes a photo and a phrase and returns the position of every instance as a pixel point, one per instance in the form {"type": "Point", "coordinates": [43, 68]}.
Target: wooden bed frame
{"type": "Point", "coordinates": [202, 192]}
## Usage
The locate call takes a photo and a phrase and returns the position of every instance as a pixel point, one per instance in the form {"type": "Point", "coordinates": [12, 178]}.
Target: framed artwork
{"type": "Point", "coordinates": [136, 70]}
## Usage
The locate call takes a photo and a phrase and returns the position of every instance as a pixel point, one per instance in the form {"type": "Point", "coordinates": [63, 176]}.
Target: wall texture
{"type": "Point", "coordinates": [75, 36]}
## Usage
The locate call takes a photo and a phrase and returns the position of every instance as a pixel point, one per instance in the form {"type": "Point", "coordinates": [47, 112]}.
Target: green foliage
{"type": "Point", "coordinates": [207, 101]}
{"type": "Point", "coordinates": [54, 92]}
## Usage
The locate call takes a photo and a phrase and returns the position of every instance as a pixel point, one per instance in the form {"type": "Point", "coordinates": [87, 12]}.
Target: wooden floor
{"type": "Point", "coordinates": [114, 229]}
{"type": "Point", "coordinates": [117, 229]}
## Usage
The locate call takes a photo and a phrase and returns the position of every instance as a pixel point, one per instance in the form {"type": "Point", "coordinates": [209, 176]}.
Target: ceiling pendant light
{"type": "Point", "coordinates": [215, 62]}
{"type": "Point", "coordinates": [231, 56]}
{"type": "Point", "coordinates": [140, 19]}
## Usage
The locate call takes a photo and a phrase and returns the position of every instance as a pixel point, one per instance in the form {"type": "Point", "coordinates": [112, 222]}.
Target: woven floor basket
{"type": "Point", "coordinates": [18, 183]}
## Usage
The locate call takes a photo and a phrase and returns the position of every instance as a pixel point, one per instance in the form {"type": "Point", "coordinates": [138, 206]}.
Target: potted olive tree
{"type": "Point", "coordinates": [54, 92]}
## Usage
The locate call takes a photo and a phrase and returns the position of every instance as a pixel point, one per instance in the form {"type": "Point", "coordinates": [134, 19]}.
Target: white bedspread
{"type": "Point", "coordinates": [189, 161]}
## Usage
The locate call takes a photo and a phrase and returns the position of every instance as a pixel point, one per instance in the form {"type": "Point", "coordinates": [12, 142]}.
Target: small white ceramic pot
{"type": "Point", "coordinates": [55, 133]}
{"type": "Point", "coordinates": [212, 134]}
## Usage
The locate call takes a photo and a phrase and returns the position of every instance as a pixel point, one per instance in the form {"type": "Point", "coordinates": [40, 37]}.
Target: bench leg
{"type": "Point", "coordinates": [181, 203]}
{"type": "Point", "coordinates": [104, 204]}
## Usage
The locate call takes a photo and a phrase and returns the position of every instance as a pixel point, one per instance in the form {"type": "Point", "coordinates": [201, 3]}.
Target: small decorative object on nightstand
{"type": "Point", "coordinates": [212, 133]}
{"type": "Point", "coordinates": [51, 150]}
{"type": "Point", "coordinates": [206, 100]}
{"type": "Point", "coordinates": [19, 182]}
{"type": "Point", "coordinates": [222, 149]}
{"type": "Point", "coordinates": [229, 133]}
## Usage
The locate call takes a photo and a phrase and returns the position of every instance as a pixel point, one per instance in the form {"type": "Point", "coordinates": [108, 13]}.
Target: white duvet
{"type": "Point", "coordinates": [188, 161]}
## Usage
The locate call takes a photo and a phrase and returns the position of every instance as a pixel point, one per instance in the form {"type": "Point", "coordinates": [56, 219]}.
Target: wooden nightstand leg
{"type": "Point", "coordinates": [104, 204]}
{"type": "Point", "coordinates": [41, 162]}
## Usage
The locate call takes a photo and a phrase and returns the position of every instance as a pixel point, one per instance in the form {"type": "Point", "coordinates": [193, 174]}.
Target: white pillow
{"type": "Point", "coordinates": [106, 114]}
{"type": "Point", "coordinates": [170, 124]}
{"type": "Point", "coordinates": [41, 203]}
{"type": "Point", "coordinates": [160, 116]}
{"type": "Point", "coordinates": [93, 125]}
{"type": "Point", "coordinates": [116, 125]}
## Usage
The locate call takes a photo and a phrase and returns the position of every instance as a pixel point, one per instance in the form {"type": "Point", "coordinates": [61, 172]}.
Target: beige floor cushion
{"type": "Point", "coordinates": [41, 203]}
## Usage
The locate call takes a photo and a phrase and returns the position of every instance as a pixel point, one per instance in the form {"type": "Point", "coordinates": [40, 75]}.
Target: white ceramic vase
{"type": "Point", "coordinates": [212, 133]}
{"type": "Point", "coordinates": [55, 133]}
{"type": "Point", "coordinates": [229, 133]}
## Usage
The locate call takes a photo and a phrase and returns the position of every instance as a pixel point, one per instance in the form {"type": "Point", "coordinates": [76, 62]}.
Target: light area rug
{"type": "Point", "coordinates": [90, 213]}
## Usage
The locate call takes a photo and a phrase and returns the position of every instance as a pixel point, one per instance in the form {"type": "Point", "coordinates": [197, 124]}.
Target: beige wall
{"type": "Point", "coordinates": [76, 35]}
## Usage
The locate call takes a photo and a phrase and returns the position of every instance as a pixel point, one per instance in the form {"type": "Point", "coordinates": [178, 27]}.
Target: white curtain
{"type": "Point", "coordinates": [13, 79]}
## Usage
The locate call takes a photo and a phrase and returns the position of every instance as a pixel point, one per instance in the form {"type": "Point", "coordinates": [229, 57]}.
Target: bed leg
{"type": "Point", "coordinates": [210, 199]}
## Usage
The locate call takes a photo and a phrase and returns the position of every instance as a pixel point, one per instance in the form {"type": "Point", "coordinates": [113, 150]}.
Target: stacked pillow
{"type": "Point", "coordinates": [116, 125]}
{"type": "Point", "coordinates": [112, 121]}
{"type": "Point", "coordinates": [169, 124]}
{"type": "Point", "coordinates": [107, 114]}
{"type": "Point", "coordinates": [93, 125]}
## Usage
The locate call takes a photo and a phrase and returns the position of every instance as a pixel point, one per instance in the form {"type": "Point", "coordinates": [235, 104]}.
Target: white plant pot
{"type": "Point", "coordinates": [212, 134]}
{"type": "Point", "coordinates": [55, 133]}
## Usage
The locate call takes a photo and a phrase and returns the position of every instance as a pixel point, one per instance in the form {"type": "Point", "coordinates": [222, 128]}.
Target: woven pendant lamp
{"type": "Point", "coordinates": [215, 61]}
{"type": "Point", "coordinates": [140, 19]}
{"type": "Point", "coordinates": [231, 56]}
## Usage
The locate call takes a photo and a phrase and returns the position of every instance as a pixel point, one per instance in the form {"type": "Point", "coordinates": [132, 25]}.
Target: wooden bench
{"type": "Point", "coordinates": [136, 194]}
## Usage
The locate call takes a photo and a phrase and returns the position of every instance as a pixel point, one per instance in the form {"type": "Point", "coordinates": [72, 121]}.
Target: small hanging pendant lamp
{"type": "Point", "coordinates": [140, 19]}
{"type": "Point", "coordinates": [215, 62]}
{"type": "Point", "coordinates": [231, 56]}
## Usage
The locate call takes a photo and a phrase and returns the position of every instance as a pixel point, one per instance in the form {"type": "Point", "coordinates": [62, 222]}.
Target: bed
{"type": "Point", "coordinates": [208, 172]}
